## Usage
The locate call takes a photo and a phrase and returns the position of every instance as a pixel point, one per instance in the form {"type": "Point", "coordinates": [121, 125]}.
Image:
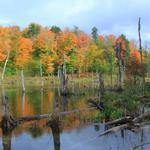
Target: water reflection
{"type": "Point", "coordinates": [76, 133]}
{"type": "Point", "coordinates": [55, 125]}
{"type": "Point", "coordinates": [42, 101]}
{"type": "Point", "coordinates": [6, 140]}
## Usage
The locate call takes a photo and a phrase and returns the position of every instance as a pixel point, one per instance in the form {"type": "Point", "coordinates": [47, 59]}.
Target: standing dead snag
{"type": "Point", "coordinates": [101, 85]}
{"type": "Point", "coordinates": [121, 49]}
{"type": "Point", "coordinates": [140, 48]}
{"type": "Point", "coordinates": [5, 64]}
{"type": "Point", "coordinates": [140, 41]}
{"type": "Point", "coordinates": [55, 125]}
{"type": "Point", "coordinates": [7, 122]}
{"type": "Point", "coordinates": [64, 80]}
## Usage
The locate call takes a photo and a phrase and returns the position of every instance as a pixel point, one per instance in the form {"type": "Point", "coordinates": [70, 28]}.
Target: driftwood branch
{"type": "Point", "coordinates": [114, 129]}
{"type": "Point", "coordinates": [127, 123]}
{"type": "Point", "coordinates": [137, 146]}
{"type": "Point", "coordinates": [141, 117]}
{"type": "Point", "coordinates": [120, 121]}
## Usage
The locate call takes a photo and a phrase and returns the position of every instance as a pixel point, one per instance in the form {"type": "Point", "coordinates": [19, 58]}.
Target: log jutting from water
{"type": "Point", "coordinates": [15, 121]}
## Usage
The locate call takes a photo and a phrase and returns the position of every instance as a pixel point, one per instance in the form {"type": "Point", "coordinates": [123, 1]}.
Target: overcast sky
{"type": "Point", "coordinates": [109, 16]}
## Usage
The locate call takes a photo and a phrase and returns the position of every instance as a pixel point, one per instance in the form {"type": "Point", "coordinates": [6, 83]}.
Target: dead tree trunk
{"type": "Point", "coordinates": [7, 122]}
{"type": "Point", "coordinates": [4, 68]}
{"type": "Point", "coordinates": [141, 53]}
{"type": "Point", "coordinates": [54, 123]}
{"type": "Point", "coordinates": [121, 74]}
{"type": "Point", "coordinates": [64, 80]}
{"type": "Point", "coordinates": [101, 85]}
{"type": "Point", "coordinates": [140, 41]}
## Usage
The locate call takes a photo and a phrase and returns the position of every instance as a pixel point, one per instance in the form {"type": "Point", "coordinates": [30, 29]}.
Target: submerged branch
{"type": "Point", "coordinates": [127, 123]}
{"type": "Point", "coordinates": [114, 129]}
{"type": "Point", "coordinates": [137, 146]}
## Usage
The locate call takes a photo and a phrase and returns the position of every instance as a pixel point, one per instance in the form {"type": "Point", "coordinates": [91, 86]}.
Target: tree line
{"type": "Point", "coordinates": [43, 51]}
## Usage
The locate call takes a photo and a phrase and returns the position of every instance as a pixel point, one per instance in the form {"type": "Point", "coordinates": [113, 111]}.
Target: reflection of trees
{"type": "Point", "coordinates": [6, 139]}
{"type": "Point", "coordinates": [23, 102]}
{"type": "Point", "coordinates": [35, 100]}
{"type": "Point", "coordinates": [64, 103]}
{"type": "Point", "coordinates": [35, 130]}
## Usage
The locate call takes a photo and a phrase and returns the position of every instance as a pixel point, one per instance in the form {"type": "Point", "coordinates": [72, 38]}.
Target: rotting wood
{"type": "Point", "coordinates": [127, 123]}
{"type": "Point", "coordinates": [120, 121]}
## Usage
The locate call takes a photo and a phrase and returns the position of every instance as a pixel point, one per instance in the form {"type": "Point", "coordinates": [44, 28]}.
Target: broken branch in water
{"type": "Point", "coordinates": [120, 121]}
{"type": "Point", "coordinates": [114, 129]}
{"type": "Point", "coordinates": [137, 146]}
{"type": "Point", "coordinates": [127, 123]}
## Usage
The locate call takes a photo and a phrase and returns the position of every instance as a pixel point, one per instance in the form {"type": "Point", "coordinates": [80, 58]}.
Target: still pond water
{"type": "Point", "coordinates": [77, 131]}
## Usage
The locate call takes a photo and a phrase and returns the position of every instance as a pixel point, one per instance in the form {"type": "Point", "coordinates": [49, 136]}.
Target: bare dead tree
{"type": "Point", "coordinates": [64, 80]}
{"type": "Point", "coordinates": [140, 41]}
{"type": "Point", "coordinates": [141, 52]}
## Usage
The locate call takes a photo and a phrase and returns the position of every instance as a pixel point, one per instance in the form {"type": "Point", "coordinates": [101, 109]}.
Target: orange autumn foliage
{"type": "Point", "coordinates": [46, 44]}
{"type": "Point", "coordinates": [2, 56]}
{"type": "Point", "coordinates": [112, 38]}
{"type": "Point", "coordinates": [24, 52]}
{"type": "Point", "coordinates": [45, 40]}
{"type": "Point", "coordinates": [5, 42]}
{"type": "Point", "coordinates": [83, 40]}
{"type": "Point", "coordinates": [136, 56]}
{"type": "Point", "coordinates": [132, 46]}
{"type": "Point", "coordinates": [101, 38]}
{"type": "Point", "coordinates": [121, 44]}
{"type": "Point", "coordinates": [47, 60]}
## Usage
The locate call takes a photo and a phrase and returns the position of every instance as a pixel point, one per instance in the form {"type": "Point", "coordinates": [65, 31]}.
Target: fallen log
{"type": "Point", "coordinates": [127, 123]}
{"type": "Point", "coordinates": [97, 104]}
{"type": "Point", "coordinates": [17, 121]}
{"type": "Point", "coordinates": [120, 121]}
{"type": "Point", "coordinates": [141, 117]}
{"type": "Point", "coordinates": [145, 98]}
{"type": "Point", "coordinates": [114, 129]}
{"type": "Point", "coordinates": [140, 145]}
{"type": "Point", "coordinates": [32, 118]}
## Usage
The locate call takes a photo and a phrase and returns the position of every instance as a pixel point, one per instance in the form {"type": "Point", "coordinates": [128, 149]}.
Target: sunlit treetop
{"type": "Point", "coordinates": [112, 38]}
{"type": "Point", "coordinates": [83, 40]}
{"type": "Point", "coordinates": [101, 38]}
{"type": "Point", "coordinates": [45, 41]}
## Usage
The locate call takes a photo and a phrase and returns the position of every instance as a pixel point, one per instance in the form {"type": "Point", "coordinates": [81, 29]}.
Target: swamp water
{"type": "Point", "coordinates": [78, 129]}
